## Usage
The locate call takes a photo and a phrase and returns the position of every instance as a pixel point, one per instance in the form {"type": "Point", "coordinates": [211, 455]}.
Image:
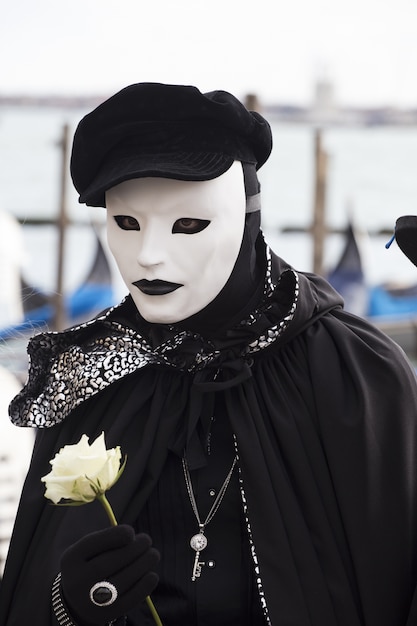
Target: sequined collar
{"type": "Point", "coordinates": [69, 367]}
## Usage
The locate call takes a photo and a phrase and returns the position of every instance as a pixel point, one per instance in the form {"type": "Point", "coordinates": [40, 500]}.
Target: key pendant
{"type": "Point", "coordinates": [198, 542]}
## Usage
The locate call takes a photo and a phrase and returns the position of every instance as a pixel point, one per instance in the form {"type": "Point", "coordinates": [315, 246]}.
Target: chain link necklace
{"type": "Point", "coordinates": [199, 541]}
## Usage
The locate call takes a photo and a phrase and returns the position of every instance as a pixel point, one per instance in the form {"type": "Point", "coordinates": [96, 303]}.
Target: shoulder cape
{"type": "Point", "coordinates": [324, 414]}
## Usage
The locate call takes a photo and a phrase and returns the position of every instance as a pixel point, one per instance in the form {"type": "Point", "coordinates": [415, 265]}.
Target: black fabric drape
{"type": "Point", "coordinates": [325, 426]}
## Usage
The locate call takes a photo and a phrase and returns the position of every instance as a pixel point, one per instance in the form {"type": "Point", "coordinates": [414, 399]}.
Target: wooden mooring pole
{"type": "Point", "coordinates": [318, 229]}
{"type": "Point", "coordinates": [60, 317]}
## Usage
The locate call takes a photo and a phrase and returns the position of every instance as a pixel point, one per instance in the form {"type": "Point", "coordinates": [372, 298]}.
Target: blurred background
{"type": "Point", "coordinates": [336, 80]}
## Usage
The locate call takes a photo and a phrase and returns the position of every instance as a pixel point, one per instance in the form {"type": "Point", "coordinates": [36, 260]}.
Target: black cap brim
{"type": "Point", "coordinates": [197, 166]}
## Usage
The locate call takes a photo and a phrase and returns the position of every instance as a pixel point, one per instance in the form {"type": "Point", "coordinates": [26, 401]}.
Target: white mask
{"type": "Point", "coordinates": [186, 235]}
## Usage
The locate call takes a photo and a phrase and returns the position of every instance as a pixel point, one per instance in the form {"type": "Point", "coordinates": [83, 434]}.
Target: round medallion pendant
{"type": "Point", "coordinates": [198, 542]}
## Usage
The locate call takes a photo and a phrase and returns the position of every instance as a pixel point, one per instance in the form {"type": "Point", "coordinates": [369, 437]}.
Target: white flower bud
{"type": "Point", "coordinates": [81, 471]}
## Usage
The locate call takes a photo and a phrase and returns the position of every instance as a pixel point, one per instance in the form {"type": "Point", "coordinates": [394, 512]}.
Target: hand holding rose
{"type": "Point", "coordinates": [115, 554]}
{"type": "Point", "coordinates": [114, 561]}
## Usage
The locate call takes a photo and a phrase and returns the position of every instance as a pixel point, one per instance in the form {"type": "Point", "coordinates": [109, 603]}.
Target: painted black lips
{"type": "Point", "coordinates": [156, 287]}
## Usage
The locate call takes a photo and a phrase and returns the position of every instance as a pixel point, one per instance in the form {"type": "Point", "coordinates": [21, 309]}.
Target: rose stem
{"type": "Point", "coordinates": [107, 507]}
{"type": "Point", "coordinates": [106, 504]}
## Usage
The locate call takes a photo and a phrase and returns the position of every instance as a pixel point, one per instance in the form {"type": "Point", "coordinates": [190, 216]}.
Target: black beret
{"type": "Point", "coordinates": [170, 131]}
{"type": "Point", "coordinates": [406, 236]}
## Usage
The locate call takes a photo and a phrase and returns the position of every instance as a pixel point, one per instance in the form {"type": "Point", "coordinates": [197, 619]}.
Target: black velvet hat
{"type": "Point", "coordinates": [406, 236]}
{"type": "Point", "coordinates": [170, 131]}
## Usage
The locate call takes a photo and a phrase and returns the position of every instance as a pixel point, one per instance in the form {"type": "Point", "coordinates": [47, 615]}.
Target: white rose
{"type": "Point", "coordinates": [81, 472]}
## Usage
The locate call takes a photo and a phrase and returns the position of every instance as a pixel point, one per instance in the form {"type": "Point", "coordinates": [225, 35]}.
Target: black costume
{"type": "Point", "coordinates": [318, 525]}
{"type": "Point", "coordinates": [322, 407]}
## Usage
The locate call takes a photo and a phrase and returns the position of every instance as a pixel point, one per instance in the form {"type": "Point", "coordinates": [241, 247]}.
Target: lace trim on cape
{"type": "Point", "coordinates": [64, 373]}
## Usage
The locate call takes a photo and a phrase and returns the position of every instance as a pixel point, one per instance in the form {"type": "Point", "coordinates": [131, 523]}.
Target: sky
{"type": "Point", "coordinates": [277, 49]}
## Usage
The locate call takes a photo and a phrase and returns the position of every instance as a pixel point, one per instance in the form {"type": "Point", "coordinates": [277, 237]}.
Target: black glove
{"type": "Point", "coordinates": [115, 555]}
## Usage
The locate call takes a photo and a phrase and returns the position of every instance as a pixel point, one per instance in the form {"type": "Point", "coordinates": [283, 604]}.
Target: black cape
{"type": "Point", "coordinates": [323, 407]}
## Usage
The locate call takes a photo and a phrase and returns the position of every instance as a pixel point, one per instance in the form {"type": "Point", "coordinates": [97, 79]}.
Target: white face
{"type": "Point", "coordinates": [176, 242]}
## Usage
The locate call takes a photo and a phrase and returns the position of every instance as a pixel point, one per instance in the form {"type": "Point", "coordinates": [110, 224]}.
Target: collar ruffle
{"type": "Point", "coordinates": [66, 368]}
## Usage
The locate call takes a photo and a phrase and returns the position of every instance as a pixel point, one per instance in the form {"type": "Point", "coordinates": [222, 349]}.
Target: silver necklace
{"type": "Point", "coordinates": [199, 541]}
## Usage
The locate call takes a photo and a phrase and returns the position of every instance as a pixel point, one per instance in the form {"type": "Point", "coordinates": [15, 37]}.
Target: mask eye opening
{"type": "Point", "coordinates": [127, 222]}
{"type": "Point", "coordinates": [189, 225]}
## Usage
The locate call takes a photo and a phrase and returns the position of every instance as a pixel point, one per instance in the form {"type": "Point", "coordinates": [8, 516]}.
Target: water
{"type": "Point", "coordinates": [371, 171]}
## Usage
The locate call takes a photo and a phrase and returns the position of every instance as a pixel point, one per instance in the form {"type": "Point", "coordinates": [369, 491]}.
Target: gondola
{"type": "Point", "coordinates": [94, 294]}
{"type": "Point", "coordinates": [392, 309]}
{"type": "Point", "coordinates": [348, 276]}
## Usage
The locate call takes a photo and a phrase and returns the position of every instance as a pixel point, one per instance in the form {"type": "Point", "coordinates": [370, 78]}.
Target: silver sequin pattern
{"type": "Point", "coordinates": [74, 373]}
